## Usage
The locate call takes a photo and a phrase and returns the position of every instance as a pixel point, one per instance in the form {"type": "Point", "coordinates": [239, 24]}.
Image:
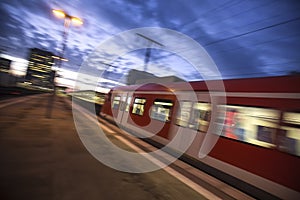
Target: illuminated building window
{"type": "Point", "coordinates": [40, 67]}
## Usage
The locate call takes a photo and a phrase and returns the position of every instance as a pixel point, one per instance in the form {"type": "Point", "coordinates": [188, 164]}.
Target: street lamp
{"type": "Point", "coordinates": [68, 20]}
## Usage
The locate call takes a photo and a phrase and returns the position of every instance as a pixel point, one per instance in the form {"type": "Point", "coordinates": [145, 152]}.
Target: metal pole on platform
{"type": "Point", "coordinates": [68, 20]}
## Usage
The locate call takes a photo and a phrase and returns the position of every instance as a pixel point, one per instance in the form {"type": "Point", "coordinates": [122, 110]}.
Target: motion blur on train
{"type": "Point", "coordinates": [258, 120]}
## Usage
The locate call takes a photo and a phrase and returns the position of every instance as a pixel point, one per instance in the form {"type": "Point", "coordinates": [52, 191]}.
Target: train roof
{"type": "Point", "coordinates": [284, 84]}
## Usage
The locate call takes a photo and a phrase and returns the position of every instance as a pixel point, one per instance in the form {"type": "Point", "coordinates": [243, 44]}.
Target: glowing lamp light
{"type": "Point", "coordinates": [76, 21]}
{"type": "Point", "coordinates": [62, 14]}
{"type": "Point", "coordinates": [68, 21]}
{"type": "Point", "coordinates": [59, 13]}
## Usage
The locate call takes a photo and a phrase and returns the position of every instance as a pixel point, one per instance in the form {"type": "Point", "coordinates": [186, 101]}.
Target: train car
{"type": "Point", "coordinates": [259, 121]}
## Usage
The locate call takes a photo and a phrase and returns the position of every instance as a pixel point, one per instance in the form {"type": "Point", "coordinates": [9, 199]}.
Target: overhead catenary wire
{"type": "Point", "coordinates": [253, 31]}
{"type": "Point", "coordinates": [229, 4]}
{"type": "Point", "coordinates": [242, 12]}
{"type": "Point", "coordinates": [242, 34]}
{"type": "Point", "coordinates": [223, 6]}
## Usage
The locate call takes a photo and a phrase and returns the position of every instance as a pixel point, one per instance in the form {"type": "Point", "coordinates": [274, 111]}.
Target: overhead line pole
{"type": "Point", "coordinates": [148, 50]}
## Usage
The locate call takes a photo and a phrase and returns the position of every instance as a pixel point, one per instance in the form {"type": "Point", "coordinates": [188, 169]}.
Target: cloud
{"type": "Point", "coordinates": [234, 33]}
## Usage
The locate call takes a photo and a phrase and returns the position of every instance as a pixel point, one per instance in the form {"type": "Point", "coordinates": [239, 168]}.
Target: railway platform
{"type": "Point", "coordinates": [42, 157]}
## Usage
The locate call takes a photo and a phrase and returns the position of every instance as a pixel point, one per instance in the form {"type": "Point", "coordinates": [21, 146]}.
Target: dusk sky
{"type": "Point", "coordinates": [244, 38]}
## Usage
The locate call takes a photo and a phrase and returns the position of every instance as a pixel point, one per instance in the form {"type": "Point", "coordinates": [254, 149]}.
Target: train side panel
{"type": "Point", "coordinates": [259, 143]}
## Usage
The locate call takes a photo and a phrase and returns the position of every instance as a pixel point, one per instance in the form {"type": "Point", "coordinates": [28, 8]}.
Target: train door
{"type": "Point", "coordinates": [115, 105]}
{"type": "Point", "coordinates": [125, 102]}
{"type": "Point", "coordinates": [192, 120]}
{"type": "Point", "coordinates": [121, 108]}
{"type": "Point", "coordinates": [181, 134]}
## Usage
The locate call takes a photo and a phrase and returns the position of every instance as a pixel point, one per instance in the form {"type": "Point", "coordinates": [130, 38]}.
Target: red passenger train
{"type": "Point", "coordinates": [259, 126]}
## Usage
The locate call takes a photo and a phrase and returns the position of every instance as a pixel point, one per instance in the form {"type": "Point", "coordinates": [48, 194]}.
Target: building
{"type": "Point", "coordinates": [7, 77]}
{"type": "Point", "coordinates": [164, 79]}
{"type": "Point", "coordinates": [141, 77]}
{"type": "Point", "coordinates": [5, 65]}
{"type": "Point", "coordinates": [39, 71]}
{"type": "Point", "coordinates": [135, 75]}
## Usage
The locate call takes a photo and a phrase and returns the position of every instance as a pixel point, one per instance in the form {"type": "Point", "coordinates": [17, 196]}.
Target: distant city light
{"type": "Point", "coordinates": [60, 58]}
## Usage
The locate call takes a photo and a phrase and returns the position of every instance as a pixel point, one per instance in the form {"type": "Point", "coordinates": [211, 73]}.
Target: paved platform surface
{"type": "Point", "coordinates": [42, 157]}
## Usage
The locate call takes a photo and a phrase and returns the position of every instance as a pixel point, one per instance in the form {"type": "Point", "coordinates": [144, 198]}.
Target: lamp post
{"type": "Point", "coordinates": [68, 20]}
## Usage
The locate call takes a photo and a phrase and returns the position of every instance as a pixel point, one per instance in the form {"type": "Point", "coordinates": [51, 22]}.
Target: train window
{"type": "Point", "coordinates": [138, 106]}
{"type": "Point", "coordinates": [128, 103]}
{"type": "Point", "coordinates": [123, 103]}
{"type": "Point", "coordinates": [250, 124]}
{"type": "Point", "coordinates": [291, 118]}
{"type": "Point", "coordinates": [116, 102]}
{"type": "Point", "coordinates": [200, 118]}
{"type": "Point", "coordinates": [289, 135]}
{"type": "Point", "coordinates": [183, 114]}
{"type": "Point", "coordinates": [161, 110]}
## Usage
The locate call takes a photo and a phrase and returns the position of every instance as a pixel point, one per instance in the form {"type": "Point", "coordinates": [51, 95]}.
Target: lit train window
{"type": "Point", "coordinates": [250, 124]}
{"type": "Point", "coordinates": [291, 118]}
{"type": "Point", "coordinates": [289, 135]}
{"type": "Point", "coordinates": [128, 103]}
{"type": "Point", "coordinates": [116, 102]}
{"type": "Point", "coordinates": [200, 118]}
{"type": "Point", "coordinates": [138, 106]}
{"type": "Point", "coordinates": [161, 110]}
{"type": "Point", "coordinates": [183, 114]}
